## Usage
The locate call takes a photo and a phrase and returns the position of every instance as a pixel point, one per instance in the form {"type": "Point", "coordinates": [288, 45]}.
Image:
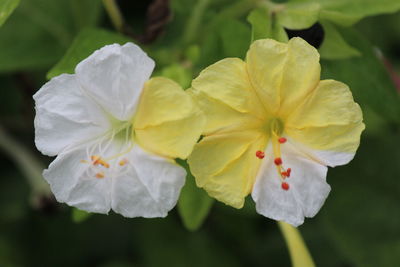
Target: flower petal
{"type": "Point", "coordinates": [168, 121]}
{"type": "Point", "coordinates": [225, 165]}
{"type": "Point", "coordinates": [71, 183]}
{"type": "Point", "coordinates": [307, 187]}
{"type": "Point", "coordinates": [65, 115]}
{"type": "Point", "coordinates": [149, 187]}
{"type": "Point", "coordinates": [221, 118]}
{"type": "Point", "coordinates": [114, 76]}
{"type": "Point", "coordinates": [328, 125]}
{"type": "Point", "coordinates": [227, 81]}
{"type": "Point", "coordinates": [283, 74]}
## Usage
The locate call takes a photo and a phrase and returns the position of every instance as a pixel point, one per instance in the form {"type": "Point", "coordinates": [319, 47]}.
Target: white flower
{"type": "Point", "coordinates": [116, 134]}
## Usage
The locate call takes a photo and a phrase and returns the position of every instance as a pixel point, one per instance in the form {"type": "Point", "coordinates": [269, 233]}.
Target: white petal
{"type": "Point", "coordinates": [73, 182]}
{"type": "Point", "coordinates": [65, 116]}
{"type": "Point", "coordinates": [114, 76]}
{"type": "Point", "coordinates": [149, 188]}
{"type": "Point", "coordinates": [306, 195]}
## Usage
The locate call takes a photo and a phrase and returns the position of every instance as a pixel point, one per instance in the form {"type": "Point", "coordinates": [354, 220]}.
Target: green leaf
{"type": "Point", "coordinates": [264, 25]}
{"type": "Point", "coordinates": [39, 32]}
{"type": "Point", "coordinates": [179, 74]}
{"type": "Point", "coordinates": [297, 16]}
{"type": "Point", "coordinates": [235, 37]}
{"type": "Point", "coordinates": [367, 78]}
{"type": "Point", "coordinates": [346, 13]}
{"type": "Point", "coordinates": [6, 8]}
{"type": "Point", "coordinates": [194, 204]}
{"type": "Point", "coordinates": [87, 41]}
{"type": "Point", "coordinates": [79, 216]}
{"type": "Point", "coordinates": [334, 46]}
{"type": "Point", "coordinates": [362, 215]}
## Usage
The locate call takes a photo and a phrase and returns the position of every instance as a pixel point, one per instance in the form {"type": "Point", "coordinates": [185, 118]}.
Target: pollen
{"type": "Point", "coordinates": [260, 154]}
{"type": "Point", "coordinates": [123, 162]}
{"type": "Point", "coordinates": [100, 175]}
{"type": "Point", "coordinates": [98, 160]}
{"type": "Point", "coordinates": [285, 186]}
{"type": "Point", "coordinates": [282, 140]}
{"type": "Point", "coordinates": [278, 161]}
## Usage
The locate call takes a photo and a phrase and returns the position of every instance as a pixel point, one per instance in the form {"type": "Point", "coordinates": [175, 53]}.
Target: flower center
{"type": "Point", "coordinates": [275, 127]}
{"type": "Point", "coordinates": [117, 142]}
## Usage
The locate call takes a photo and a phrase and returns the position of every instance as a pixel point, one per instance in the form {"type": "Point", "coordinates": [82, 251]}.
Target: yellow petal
{"type": "Point", "coordinates": [227, 81]}
{"type": "Point", "coordinates": [329, 119]}
{"type": "Point", "coordinates": [226, 165]}
{"type": "Point", "coordinates": [283, 74]}
{"type": "Point", "coordinates": [331, 103]}
{"type": "Point", "coordinates": [168, 122]}
{"type": "Point", "coordinates": [221, 118]}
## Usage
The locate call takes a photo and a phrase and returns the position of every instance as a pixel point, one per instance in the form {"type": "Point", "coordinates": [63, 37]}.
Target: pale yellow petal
{"type": "Point", "coordinates": [221, 118]}
{"type": "Point", "coordinates": [226, 165]}
{"type": "Point", "coordinates": [283, 74]}
{"type": "Point", "coordinates": [227, 81]}
{"type": "Point", "coordinates": [331, 103]}
{"type": "Point", "coordinates": [168, 121]}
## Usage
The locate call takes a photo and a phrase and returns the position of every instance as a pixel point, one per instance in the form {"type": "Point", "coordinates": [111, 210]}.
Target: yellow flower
{"type": "Point", "coordinates": [273, 128]}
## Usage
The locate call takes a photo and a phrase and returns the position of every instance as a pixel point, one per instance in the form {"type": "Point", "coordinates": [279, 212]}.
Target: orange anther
{"type": "Point", "coordinates": [285, 186]}
{"type": "Point", "coordinates": [288, 171]}
{"type": "Point", "coordinates": [278, 161]}
{"type": "Point", "coordinates": [99, 175]}
{"type": "Point", "coordinates": [284, 174]}
{"type": "Point", "coordinates": [260, 154]}
{"type": "Point", "coordinates": [282, 140]}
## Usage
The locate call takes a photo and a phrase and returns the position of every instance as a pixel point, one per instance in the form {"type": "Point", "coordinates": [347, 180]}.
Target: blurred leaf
{"type": "Point", "coordinates": [6, 8]}
{"type": "Point", "coordinates": [194, 204]}
{"type": "Point", "coordinates": [87, 41]}
{"type": "Point", "coordinates": [361, 214]}
{"type": "Point", "coordinates": [235, 37]}
{"type": "Point", "coordinates": [264, 25]}
{"type": "Point", "coordinates": [334, 46]}
{"type": "Point", "coordinates": [39, 31]}
{"type": "Point", "coordinates": [346, 13]}
{"type": "Point", "coordinates": [366, 77]}
{"type": "Point", "coordinates": [179, 74]}
{"type": "Point", "coordinates": [80, 215]}
{"type": "Point", "coordinates": [297, 16]}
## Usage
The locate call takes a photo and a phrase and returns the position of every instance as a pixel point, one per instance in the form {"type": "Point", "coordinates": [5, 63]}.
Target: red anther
{"type": "Point", "coordinates": [260, 154]}
{"type": "Point", "coordinates": [278, 161]}
{"type": "Point", "coordinates": [288, 171]}
{"type": "Point", "coordinates": [282, 140]}
{"type": "Point", "coordinates": [285, 186]}
{"type": "Point", "coordinates": [284, 174]}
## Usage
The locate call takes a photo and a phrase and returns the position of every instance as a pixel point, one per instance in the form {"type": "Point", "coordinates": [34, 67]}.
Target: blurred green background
{"type": "Point", "coordinates": [359, 225]}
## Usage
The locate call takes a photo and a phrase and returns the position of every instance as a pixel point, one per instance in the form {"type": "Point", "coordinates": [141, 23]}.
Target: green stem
{"type": "Point", "coordinates": [298, 251]}
{"type": "Point", "coordinates": [115, 14]}
{"type": "Point", "coordinates": [28, 164]}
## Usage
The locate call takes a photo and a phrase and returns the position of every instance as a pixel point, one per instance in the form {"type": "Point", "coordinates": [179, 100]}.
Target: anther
{"type": "Point", "coordinates": [288, 171]}
{"type": "Point", "coordinates": [100, 175]}
{"type": "Point", "coordinates": [260, 154]}
{"type": "Point", "coordinates": [278, 161]}
{"type": "Point", "coordinates": [282, 140]}
{"type": "Point", "coordinates": [285, 186]}
{"type": "Point", "coordinates": [123, 162]}
{"type": "Point", "coordinates": [97, 160]}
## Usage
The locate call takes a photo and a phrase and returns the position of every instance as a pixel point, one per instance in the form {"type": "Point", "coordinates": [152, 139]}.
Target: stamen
{"type": "Point", "coordinates": [282, 140]}
{"type": "Point", "coordinates": [288, 171]}
{"type": "Point", "coordinates": [278, 161]}
{"type": "Point", "coordinates": [285, 186]}
{"type": "Point", "coordinates": [260, 154]}
{"type": "Point", "coordinates": [98, 160]}
{"type": "Point", "coordinates": [100, 175]}
{"type": "Point", "coordinates": [123, 162]}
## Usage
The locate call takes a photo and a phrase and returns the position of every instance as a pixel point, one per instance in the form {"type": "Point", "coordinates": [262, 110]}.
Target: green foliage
{"type": "Point", "coordinates": [6, 8]}
{"type": "Point", "coordinates": [296, 16]}
{"type": "Point", "coordinates": [79, 215]}
{"type": "Point", "coordinates": [367, 78]}
{"type": "Point", "coordinates": [40, 30]}
{"type": "Point", "coordinates": [264, 25]}
{"type": "Point", "coordinates": [179, 74]}
{"type": "Point", "coordinates": [334, 46]}
{"type": "Point", "coordinates": [194, 203]}
{"type": "Point", "coordinates": [85, 43]}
